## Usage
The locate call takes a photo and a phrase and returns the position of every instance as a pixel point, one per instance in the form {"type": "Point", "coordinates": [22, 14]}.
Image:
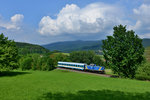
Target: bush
{"type": "Point", "coordinates": [143, 72]}
{"type": "Point", "coordinates": [59, 57]}
{"type": "Point", "coordinates": [88, 57]}
{"type": "Point", "coordinates": [26, 63]}
{"type": "Point", "coordinates": [46, 63]}
{"type": "Point", "coordinates": [36, 62]}
{"type": "Point", "coordinates": [98, 60]}
{"type": "Point", "coordinates": [82, 56]}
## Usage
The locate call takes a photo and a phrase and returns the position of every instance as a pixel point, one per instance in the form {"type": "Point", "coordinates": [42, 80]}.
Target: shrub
{"type": "Point", "coordinates": [36, 62]}
{"type": "Point", "coordinates": [35, 58]}
{"type": "Point", "coordinates": [98, 60]}
{"type": "Point", "coordinates": [143, 72]}
{"type": "Point", "coordinates": [82, 56]}
{"type": "Point", "coordinates": [26, 63]}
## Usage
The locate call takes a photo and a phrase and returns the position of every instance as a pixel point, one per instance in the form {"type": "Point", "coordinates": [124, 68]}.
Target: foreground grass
{"type": "Point", "coordinates": [65, 85]}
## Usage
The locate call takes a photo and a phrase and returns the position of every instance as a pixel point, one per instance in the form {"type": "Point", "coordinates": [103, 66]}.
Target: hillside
{"type": "Point", "coordinates": [69, 46]}
{"type": "Point", "coordinates": [27, 48]}
{"type": "Point", "coordinates": [147, 54]}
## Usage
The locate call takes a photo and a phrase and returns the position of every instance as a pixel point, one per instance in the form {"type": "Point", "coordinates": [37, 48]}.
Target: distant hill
{"type": "Point", "coordinates": [27, 48]}
{"type": "Point", "coordinates": [146, 42]}
{"type": "Point", "coordinates": [68, 46]}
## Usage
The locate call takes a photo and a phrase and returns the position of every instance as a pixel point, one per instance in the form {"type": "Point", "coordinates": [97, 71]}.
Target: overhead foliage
{"type": "Point", "coordinates": [8, 53]}
{"type": "Point", "coordinates": [123, 51]}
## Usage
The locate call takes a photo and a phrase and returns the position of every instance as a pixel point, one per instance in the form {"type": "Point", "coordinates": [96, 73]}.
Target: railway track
{"type": "Point", "coordinates": [86, 72]}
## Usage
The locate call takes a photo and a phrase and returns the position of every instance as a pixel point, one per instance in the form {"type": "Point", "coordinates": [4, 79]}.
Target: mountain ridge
{"type": "Point", "coordinates": [69, 46]}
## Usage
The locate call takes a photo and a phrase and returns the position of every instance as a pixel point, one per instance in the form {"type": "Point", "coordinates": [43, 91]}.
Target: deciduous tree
{"type": "Point", "coordinates": [8, 54]}
{"type": "Point", "coordinates": [123, 51]}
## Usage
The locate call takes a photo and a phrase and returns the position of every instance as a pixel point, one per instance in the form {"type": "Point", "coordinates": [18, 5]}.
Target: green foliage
{"type": "Point", "coordinates": [26, 48]}
{"type": "Point", "coordinates": [8, 54]}
{"type": "Point", "coordinates": [82, 56]}
{"type": "Point", "coordinates": [147, 54]}
{"type": "Point", "coordinates": [123, 51]}
{"type": "Point", "coordinates": [98, 60]}
{"type": "Point", "coordinates": [85, 57]}
{"type": "Point", "coordinates": [143, 72]}
{"type": "Point", "coordinates": [26, 63]}
{"type": "Point", "coordinates": [36, 62]}
{"type": "Point", "coordinates": [59, 57]}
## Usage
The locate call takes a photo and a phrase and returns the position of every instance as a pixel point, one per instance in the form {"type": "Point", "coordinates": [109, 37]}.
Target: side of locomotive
{"type": "Point", "coordinates": [80, 66]}
{"type": "Point", "coordinates": [95, 68]}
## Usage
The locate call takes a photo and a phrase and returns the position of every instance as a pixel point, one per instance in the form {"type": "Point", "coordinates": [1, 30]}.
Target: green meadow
{"type": "Point", "coordinates": [65, 85]}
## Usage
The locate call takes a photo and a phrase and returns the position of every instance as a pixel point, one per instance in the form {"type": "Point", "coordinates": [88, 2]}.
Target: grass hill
{"type": "Point", "coordinates": [27, 48]}
{"type": "Point", "coordinates": [69, 46]}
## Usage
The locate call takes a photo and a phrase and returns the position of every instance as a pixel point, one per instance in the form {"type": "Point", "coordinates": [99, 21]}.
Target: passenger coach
{"type": "Point", "coordinates": [72, 65]}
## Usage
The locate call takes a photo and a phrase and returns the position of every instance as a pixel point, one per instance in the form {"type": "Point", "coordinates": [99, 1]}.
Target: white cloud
{"type": "Point", "coordinates": [145, 35]}
{"type": "Point", "coordinates": [94, 18]}
{"type": "Point", "coordinates": [142, 16]}
{"type": "Point", "coordinates": [14, 22]}
{"type": "Point", "coordinates": [17, 18]}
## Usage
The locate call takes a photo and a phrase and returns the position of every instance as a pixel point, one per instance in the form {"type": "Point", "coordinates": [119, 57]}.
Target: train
{"type": "Point", "coordinates": [81, 66]}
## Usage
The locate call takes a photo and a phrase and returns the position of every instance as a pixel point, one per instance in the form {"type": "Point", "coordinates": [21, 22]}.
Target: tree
{"type": "Point", "coordinates": [82, 56]}
{"type": "Point", "coordinates": [123, 51]}
{"type": "Point", "coordinates": [36, 62]}
{"type": "Point", "coordinates": [8, 54]}
{"type": "Point", "coordinates": [98, 60]}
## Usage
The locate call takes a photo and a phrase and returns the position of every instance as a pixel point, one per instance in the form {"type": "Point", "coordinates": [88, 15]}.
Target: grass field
{"type": "Point", "coordinates": [65, 85]}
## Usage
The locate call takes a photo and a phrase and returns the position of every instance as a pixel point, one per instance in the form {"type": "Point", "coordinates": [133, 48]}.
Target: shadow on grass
{"type": "Point", "coordinates": [11, 73]}
{"type": "Point", "coordinates": [96, 95]}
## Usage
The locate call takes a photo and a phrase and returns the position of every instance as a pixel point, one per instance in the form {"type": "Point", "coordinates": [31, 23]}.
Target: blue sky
{"type": "Point", "coordinates": [47, 21]}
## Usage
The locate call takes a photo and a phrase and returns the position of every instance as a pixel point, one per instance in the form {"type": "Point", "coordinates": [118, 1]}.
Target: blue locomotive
{"type": "Point", "coordinates": [81, 66]}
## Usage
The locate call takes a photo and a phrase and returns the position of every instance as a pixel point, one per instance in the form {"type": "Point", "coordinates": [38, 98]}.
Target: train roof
{"type": "Point", "coordinates": [71, 63]}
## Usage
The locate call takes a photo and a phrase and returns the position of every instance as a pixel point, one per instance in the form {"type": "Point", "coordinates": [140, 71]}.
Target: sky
{"type": "Point", "coordinates": [47, 21]}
